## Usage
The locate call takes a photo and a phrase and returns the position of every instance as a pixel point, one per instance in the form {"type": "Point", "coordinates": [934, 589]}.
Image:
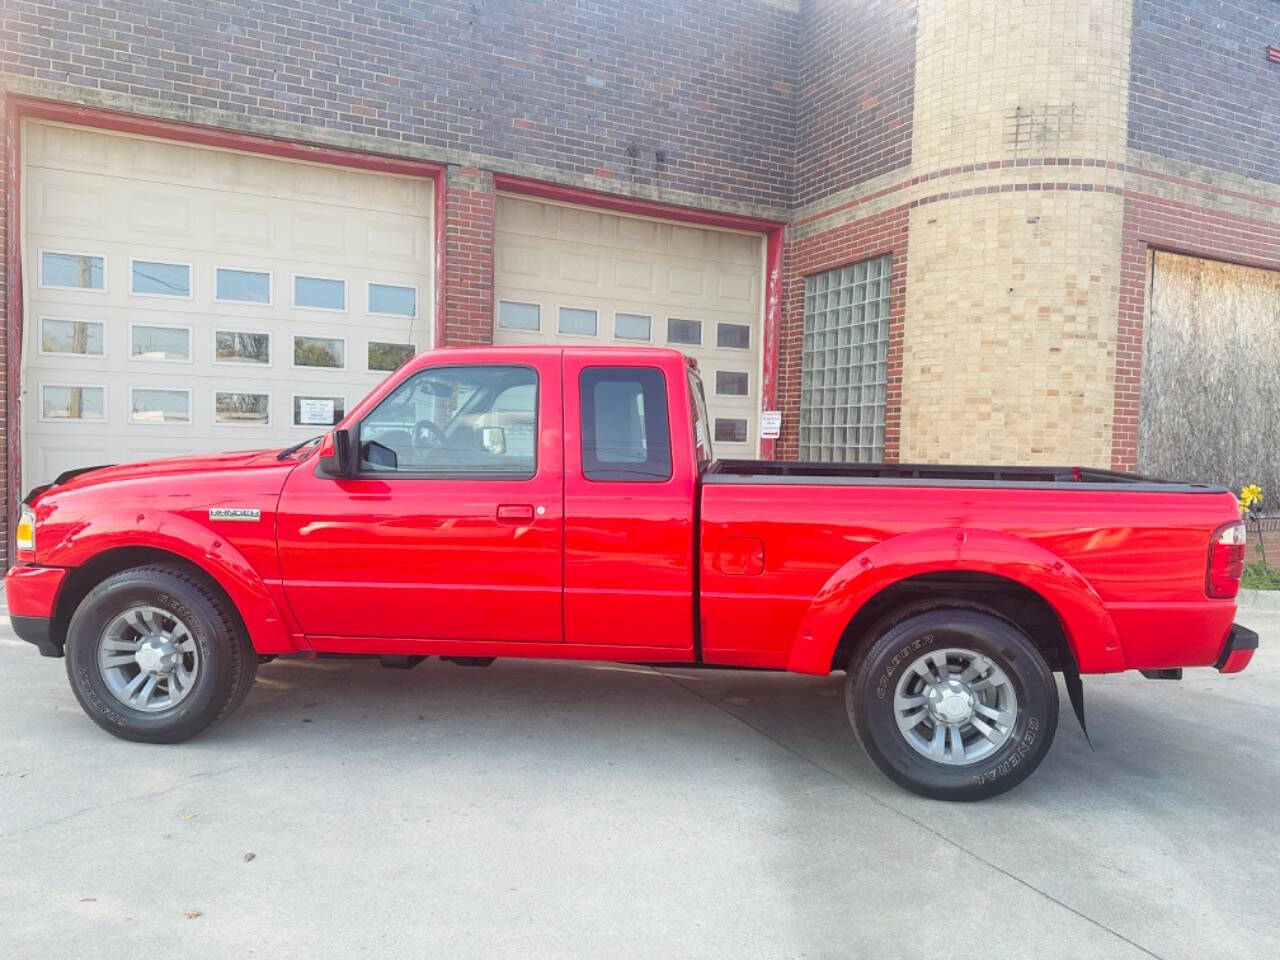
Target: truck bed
{"type": "Point", "coordinates": [947, 475]}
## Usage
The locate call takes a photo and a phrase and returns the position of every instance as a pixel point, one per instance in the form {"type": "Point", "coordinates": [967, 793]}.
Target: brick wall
{"type": "Point", "coordinates": [696, 95]}
{"type": "Point", "coordinates": [856, 73]}
{"type": "Point", "coordinates": [6, 383]}
{"type": "Point", "coordinates": [1201, 88]}
{"type": "Point", "coordinates": [470, 210]}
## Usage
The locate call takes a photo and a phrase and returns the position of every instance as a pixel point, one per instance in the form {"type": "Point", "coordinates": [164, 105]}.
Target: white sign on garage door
{"type": "Point", "coordinates": [183, 299]}
{"type": "Point", "coordinates": [568, 274]}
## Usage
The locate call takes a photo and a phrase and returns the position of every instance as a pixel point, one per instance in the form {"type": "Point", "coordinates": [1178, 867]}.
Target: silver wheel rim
{"type": "Point", "coordinates": [148, 658]}
{"type": "Point", "coordinates": [955, 706]}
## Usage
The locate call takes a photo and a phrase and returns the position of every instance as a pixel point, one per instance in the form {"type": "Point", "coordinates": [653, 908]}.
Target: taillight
{"type": "Point", "coordinates": [1226, 561]}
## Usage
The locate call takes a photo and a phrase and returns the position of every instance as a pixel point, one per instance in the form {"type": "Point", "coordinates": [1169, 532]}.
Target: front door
{"type": "Point", "coordinates": [452, 527]}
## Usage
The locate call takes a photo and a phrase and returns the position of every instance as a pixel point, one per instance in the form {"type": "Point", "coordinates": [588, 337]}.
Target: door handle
{"type": "Point", "coordinates": [515, 512]}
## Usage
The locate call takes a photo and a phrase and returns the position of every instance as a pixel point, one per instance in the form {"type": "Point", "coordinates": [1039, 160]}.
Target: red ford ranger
{"type": "Point", "coordinates": [564, 503]}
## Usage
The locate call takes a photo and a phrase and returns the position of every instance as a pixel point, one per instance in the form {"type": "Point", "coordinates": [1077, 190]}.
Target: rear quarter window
{"type": "Point", "coordinates": [626, 435]}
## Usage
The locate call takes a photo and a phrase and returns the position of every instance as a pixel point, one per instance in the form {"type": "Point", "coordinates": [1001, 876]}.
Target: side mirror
{"type": "Point", "coordinates": [494, 440]}
{"type": "Point", "coordinates": [335, 454]}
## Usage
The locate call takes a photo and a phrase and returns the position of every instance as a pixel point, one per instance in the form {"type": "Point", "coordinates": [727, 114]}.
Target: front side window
{"type": "Point", "coordinates": [456, 421]}
{"type": "Point", "coordinates": [625, 432]}
{"type": "Point", "coordinates": [844, 363]}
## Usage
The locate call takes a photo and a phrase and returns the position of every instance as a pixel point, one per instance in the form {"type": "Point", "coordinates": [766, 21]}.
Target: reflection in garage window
{"type": "Point", "coordinates": [70, 336]}
{"type": "Point", "coordinates": [242, 409]}
{"type": "Point", "coordinates": [159, 406]}
{"type": "Point", "coordinates": [731, 383]}
{"type": "Point", "coordinates": [318, 411]}
{"type": "Point", "coordinates": [319, 352]}
{"type": "Point", "coordinates": [684, 331]}
{"type": "Point", "coordinates": [232, 346]}
{"type": "Point", "coordinates": [519, 316]}
{"type": "Point", "coordinates": [73, 270]}
{"type": "Point", "coordinates": [242, 286]}
{"type": "Point", "coordinates": [388, 356]}
{"type": "Point", "coordinates": [319, 293]}
{"type": "Point", "coordinates": [577, 322]}
{"type": "Point", "coordinates": [731, 431]}
{"type": "Point", "coordinates": [393, 300]}
{"type": "Point", "coordinates": [631, 326]}
{"type": "Point", "coordinates": [736, 336]}
{"type": "Point", "coordinates": [72, 403]}
{"type": "Point", "coordinates": [157, 279]}
{"type": "Point", "coordinates": [159, 343]}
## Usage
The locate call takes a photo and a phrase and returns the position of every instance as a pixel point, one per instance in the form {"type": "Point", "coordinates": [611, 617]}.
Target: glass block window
{"type": "Point", "coordinates": [845, 363]}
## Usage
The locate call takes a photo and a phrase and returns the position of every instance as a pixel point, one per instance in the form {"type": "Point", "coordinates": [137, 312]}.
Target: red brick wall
{"type": "Point", "coordinates": [874, 236]}
{"type": "Point", "coordinates": [1156, 222]}
{"type": "Point", "coordinates": [470, 209]}
{"type": "Point", "coordinates": [8, 272]}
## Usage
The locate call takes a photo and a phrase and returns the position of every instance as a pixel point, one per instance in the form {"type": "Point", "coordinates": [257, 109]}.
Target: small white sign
{"type": "Point", "coordinates": [315, 412]}
{"type": "Point", "coordinates": [770, 424]}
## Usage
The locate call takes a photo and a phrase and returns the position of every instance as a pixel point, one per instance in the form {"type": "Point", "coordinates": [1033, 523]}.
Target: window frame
{"type": "Point", "coordinates": [702, 329]}
{"type": "Point", "coordinates": [106, 409]}
{"type": "Point", "coordinates": [40, 281]}
{"type": "Point", "coordinates": [368, 292]}
{"type": "Point", "coordinates": [715, 383]}
{"type": "Point", "coordinates": [746, 421]}
{"type": "Point", "coordinates": [454, 474]}
{"type": "Point", "coordinates": [242, 426]}
{"type": "Point", "coordinates": [248, 364]}
{"type": "Point", "coordinates": [41, 351]}
{"type": "Point", "coordinates": [588, 463]}
{"type": "Point", "coordinates": [191, 279]}
{"type": "Point", "coordinates": [294, 397]}
{"type": "Point", "coordinates": [497, 316]}
{"type": "Point", "coordinates": [733, 323]}
{"type": "Point", "coordinates": [561, 307]}
{"type": "Point", "coordinates": [628, 313]}
{"type": "Point", "coordinates": [271, 286]}
{"type": "Point", "coordinates": [191, 412]}
{"type": "Point", "coordinates": [293, 293]}
{"type": "Point", "coordinates": [316, 336]}
{"type": "Point", "coordinates": [369, 341]}
{"type": "Point", "coordinates": [191, 341]}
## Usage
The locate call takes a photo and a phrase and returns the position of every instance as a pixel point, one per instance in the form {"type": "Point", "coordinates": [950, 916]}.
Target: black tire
{"type": "Point", "coordinates": [227, 666]}
{"type": "Point", "coordinates": [899, 640]}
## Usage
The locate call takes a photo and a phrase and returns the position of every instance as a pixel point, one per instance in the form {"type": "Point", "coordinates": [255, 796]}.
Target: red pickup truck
{"type": "Point", "coordinates": [561, 502]}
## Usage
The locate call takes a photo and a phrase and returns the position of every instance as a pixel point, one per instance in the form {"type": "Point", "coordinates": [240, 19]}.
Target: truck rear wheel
{"type": "Point", "coordinates": [952, 703]}
{"type": "Point", "coordinates": [155, 655]}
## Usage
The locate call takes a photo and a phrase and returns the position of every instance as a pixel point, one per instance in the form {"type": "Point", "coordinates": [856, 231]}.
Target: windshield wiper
{"type": "Point", "coordinates": [290, 451]}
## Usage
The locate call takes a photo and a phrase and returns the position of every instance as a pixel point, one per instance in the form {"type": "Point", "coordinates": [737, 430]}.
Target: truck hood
{"type": "Point", "coordinates": [175, 467]}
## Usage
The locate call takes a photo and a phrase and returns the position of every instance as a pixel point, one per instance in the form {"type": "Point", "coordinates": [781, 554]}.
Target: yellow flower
{"type": "Point", "coordinates": [1249, 496]}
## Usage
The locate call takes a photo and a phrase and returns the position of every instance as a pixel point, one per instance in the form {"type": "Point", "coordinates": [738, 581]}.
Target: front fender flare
{"type": "Point", "coordinates": [1089, 629]}
{"type": "Point", "coordinates": [268, 630]}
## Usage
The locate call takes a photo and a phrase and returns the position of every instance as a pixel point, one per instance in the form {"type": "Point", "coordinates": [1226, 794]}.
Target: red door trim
{"type": "Point", "coordinates": [773, 230]}
{"type": "Point", "coordinates": [19, 108]}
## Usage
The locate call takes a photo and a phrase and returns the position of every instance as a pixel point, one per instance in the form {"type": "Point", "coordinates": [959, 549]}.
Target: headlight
{"type": "Point", "coordinates": [25, 539]}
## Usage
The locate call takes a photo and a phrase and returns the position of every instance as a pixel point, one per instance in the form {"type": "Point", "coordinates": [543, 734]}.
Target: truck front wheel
{"type": "Point", "coordinates": [155, 655]}
{"type": "Point", "coordinates": [952, 703]}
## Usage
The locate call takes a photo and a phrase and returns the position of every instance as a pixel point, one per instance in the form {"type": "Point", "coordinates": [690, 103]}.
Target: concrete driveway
{"type": "Point", "coordinates": [575, 810]}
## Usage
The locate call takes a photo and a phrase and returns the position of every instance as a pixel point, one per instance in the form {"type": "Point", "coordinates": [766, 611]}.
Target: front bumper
{"type": "Point", "coordinates": [1238, 650]}
{"type": "Point", "coordinates": [32, 596]}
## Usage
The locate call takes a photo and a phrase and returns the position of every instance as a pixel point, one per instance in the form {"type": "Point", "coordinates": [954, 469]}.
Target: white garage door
{"type": "Point", "coordinates": [183, 299]}
{"type": "Point", "coordinates": [568, 274]}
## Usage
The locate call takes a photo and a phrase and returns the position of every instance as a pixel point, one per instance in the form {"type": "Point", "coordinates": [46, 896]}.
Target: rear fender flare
{"type": "Point", "coordinates": [1089, 629]}
{"type": "Point", "coordinates": [172, 533]}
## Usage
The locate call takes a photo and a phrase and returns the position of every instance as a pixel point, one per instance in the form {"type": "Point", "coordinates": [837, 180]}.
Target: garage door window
{"type": "Point", "coordinates": [159, 406]}
{"type": "Point", "coordinates": [625, 432]}
{"type": "Point", "coordinates": [845, 363]}
{"type": "Point", "coordinates": [730, 430]}
{"type": "Point", "coordinates": [65, 402]}
{"type": "Point", "coordinates": [731, 383]}
{"type": "Point", "coordinates": [318, 411]}
{"type": "Point", "coordinates": [153, 278]}
{"type": "Point", "coordinates": [242, 409]}
{"type": "Point", "coordinates": [235, 346]}
{"type": "Point", "coordinates": [320, 352]}
{"type": "Point", "coordinates": [159, 343]}
{"type": "Point", "coordinates": [577, 322]}
{"type": "Point", "coordinates": [71, 337]}
{"type": "Point", "coordinates": [519, 316]}
{"type": "Point", "coordinates": [389, 300]}
{"type": "Point", "coordinates": [631, 326]}
{"type": "Point", "coordinates": [320, 293]}
{"type": "Point", "coordinates": [81, 271]}
{"type": "Point", "coordinates": [734, 336]}
{"type": "Point", "coordinates": [384, 357]}
{"type": "Point", "coordinates": [684, 331]}
{"type": "Point", "coordinates": [242, 286]}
